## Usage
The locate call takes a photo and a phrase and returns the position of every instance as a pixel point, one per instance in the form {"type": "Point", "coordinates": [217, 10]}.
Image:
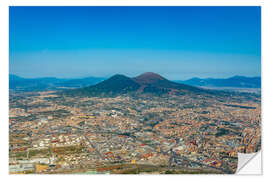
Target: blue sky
{"type": "Point", "coordinates": [176, 42]}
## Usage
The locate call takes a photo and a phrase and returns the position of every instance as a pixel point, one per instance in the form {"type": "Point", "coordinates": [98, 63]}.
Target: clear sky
{"type": "Point", "coordinates": [176, 42]}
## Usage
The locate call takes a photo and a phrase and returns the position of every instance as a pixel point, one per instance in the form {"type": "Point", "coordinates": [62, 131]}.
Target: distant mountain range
{"type": "Point", "coordinates": [145, 82]}
{"type": "Point", "coordinates": [235, 81]}
{"type": "Point", "coordinates": [39, 84]}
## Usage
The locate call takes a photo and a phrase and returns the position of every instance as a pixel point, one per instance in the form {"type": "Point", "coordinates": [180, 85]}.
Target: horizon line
{"type": "Point", "coordinates": [106, 77]}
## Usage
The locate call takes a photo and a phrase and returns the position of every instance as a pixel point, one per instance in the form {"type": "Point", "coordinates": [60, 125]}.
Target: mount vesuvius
{"type": "Point", "coordinates": [147, 83]}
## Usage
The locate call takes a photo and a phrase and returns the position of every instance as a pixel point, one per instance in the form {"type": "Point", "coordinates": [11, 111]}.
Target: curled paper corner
{"type": "Point", "coordinates": [249, 163]}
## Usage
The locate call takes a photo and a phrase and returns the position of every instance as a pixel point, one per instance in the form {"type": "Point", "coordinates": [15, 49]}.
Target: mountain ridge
{"type": "Point", "coordinates": [18, 83]}
{"type": "Point", "coordinates": [235, 81]}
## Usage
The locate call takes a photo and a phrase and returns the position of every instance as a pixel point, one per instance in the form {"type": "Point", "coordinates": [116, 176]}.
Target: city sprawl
{"type": "Point", "coordinates": [54, 133]}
